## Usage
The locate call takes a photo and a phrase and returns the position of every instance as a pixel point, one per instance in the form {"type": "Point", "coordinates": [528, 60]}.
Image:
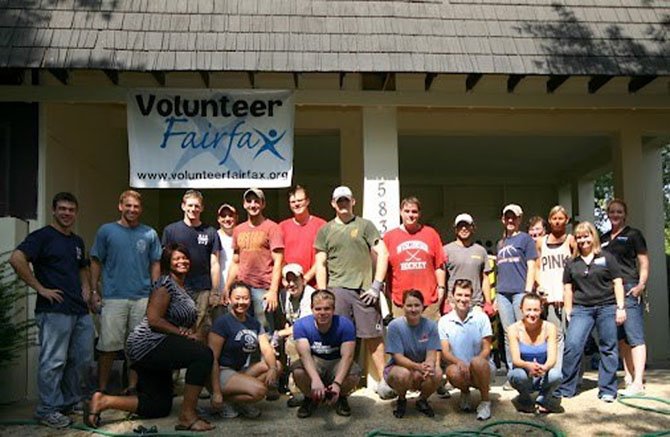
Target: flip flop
{"type": "Point", "coordinates": [95, 423]}
{"type": "Point", "coordinates": [190, 427]}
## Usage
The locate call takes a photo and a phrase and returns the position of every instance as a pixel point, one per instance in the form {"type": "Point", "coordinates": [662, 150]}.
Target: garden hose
{"type": "Point", "coordinates": [624, 400]}
{"type": "Point", "coordinates": [482, 431]}
{"type": "Point", "coordinates": [82, 427]}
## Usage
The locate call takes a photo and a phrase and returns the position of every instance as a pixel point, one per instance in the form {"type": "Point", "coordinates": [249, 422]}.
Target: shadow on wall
{"type": "Point", "coordinates": [569, 40]}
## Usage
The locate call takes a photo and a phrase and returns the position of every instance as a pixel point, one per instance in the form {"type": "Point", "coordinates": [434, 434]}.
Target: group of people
{"type": "Point", "coordinates": [258, 307]}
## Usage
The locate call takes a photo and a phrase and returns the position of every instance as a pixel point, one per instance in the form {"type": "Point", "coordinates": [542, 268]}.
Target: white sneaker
{"type": "Point", "coordinates": [384, 391]}
{"type": "Point", "coordinates": [228, 411]}
{"type": "Point", "coordinates": [464, 402]}
{"type": "Point", "coordinates": [484, 410]}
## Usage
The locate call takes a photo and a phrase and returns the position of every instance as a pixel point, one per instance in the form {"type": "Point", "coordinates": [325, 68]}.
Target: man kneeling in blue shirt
{"type": "Point", "coordinates": [326, 371]}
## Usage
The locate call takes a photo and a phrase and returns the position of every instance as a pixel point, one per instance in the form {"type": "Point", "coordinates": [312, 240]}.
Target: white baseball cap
{"type": "Point", "coordinates": [294, 268]}
{"type": "Point", "coordinates": [513, 207]}
{"type": "Point", "coordinates": [465, 217]}
{"type": "Point", "coordinates": [342, 191]}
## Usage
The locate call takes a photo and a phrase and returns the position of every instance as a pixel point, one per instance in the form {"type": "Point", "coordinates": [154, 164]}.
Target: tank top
{"type": "Point", "coordinates": [534, 352]}
{"type": "Point", "coordinates": [552, 262]}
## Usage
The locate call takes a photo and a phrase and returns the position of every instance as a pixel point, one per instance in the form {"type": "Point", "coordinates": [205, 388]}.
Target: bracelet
{"type": "Point", "coordinates": [338, 384]}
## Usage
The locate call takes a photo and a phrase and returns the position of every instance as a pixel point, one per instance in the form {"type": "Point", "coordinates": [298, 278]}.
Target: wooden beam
{"type": "Point", "coordinates": [296, 78]}
{"type": "Point", "coordinates": [513, 80]}
{"type": "Point", "coordinates": [638, 82]}
{"type": "Point", "coordinates": [598, 82]}
{"type": "Point", "coordinates": [555, 81]}
{"type": "Point", "coordinates": [252, 79]}
{"type": "Point", "coordinates": [430, 77]}
{"type": "Point", "coordinates": [61, 74]}
{"type": "Point", "coordinates": [205, 78]}
{"type": "Point", "coordinates": [159, 76]}
{"type": "Point", "coordinates": [472, 80]}
{"type": "Point", "coordinates": [113, 76]}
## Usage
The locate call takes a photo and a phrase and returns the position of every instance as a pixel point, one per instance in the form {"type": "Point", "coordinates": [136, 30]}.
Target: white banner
{"type": "Point", "coordinates": [210, 138]}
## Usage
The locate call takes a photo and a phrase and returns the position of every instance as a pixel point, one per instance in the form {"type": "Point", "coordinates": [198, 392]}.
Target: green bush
{"type": "Point", "coordinates": [15, 334]}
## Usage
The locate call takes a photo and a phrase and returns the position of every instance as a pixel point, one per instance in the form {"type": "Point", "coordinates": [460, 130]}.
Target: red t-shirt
{"type": "Point", "coordinates": [413, 259]}
{"type": "Point", "coordinates": [255, 244]}
{"type": "Point", "coordinates": [299, 241]}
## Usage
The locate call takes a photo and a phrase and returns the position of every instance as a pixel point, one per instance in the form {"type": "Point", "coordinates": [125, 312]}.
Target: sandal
{"type": "Point", "coordinates": [541, 409]}
{"type": "Point", "coordinates": [192, 426]}
{"type": "Point", "coordinates": [424, 407]}
{"type": "Point", "coordinates": [400, 408]}
{"type": "Point", "coordinates": [95, 423]}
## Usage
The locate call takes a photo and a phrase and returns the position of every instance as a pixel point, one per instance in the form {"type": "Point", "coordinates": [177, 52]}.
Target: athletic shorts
{"type": "Point", "coordinates": [117, 319]}
{"type": "Point", "coordinates": [327, 369]}
{"type": "Point", "coordinates": [368, 319]}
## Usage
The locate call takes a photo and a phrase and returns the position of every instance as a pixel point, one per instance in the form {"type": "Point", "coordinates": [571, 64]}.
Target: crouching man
{"type": "Point", "coordinates": [326, 371]}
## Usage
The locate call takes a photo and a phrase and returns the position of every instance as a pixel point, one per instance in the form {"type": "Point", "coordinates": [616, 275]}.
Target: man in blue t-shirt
{"type": "Point", "coordinates": [128, 255]}
{"type": "Point", "coordinates": [326, 370]}
{"type": "Point", "coordinates": [60, 277]}
{"type": "Point", "coordinates": [203, 244]}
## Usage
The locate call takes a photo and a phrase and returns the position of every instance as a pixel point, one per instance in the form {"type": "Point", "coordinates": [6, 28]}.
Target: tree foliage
{"type": "Point", "coordinates": [15, 332]}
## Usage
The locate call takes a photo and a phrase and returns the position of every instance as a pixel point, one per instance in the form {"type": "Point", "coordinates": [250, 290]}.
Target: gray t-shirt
{"type": "Point", "coordinates": [467, 263]}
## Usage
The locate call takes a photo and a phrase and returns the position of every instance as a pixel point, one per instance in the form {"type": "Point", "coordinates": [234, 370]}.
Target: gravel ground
{"type": "Point", "coordinates": [584, 415]}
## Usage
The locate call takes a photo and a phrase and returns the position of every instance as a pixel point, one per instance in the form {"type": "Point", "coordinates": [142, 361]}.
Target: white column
{"type": "Point", "coordinates": [586, 199]}
{"type": "Point", "coordinates": [565, 197]}
{"type": "Point", "coordinates": [639, 181]}
{"type": "Point", "coordinates": [380, 168]}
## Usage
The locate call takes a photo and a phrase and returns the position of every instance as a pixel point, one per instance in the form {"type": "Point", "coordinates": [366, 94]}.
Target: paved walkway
{"type": "Point", "coordinates": [584, 415]}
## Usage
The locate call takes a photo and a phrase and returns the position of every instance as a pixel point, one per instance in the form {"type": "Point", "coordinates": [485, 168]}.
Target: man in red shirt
{"type": "Point", "coordinates": [258, 254]}
{"type": "Point", "coordinates": [416, 260]}
{"type": "Point", "coordinates": [300, 232]}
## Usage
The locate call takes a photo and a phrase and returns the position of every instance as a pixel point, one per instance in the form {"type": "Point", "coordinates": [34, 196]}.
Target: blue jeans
{"type": "Point", "coordinates": [527, 385]}
{"type": "Point", "coordinates": [582, 321]}
{"type": "Point", "coordinates": [555, 315]}
{"type": "Point", "coordinates": [632, 329]}
{"type": "Point", "coordinates": [66, 352]}
{"type": "Point", "coordinates": [509, 309]}
{"type": "Point", "coordinates": [257, 310]}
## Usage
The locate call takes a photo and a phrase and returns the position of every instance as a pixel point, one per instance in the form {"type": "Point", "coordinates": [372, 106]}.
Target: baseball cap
{"type": "Point", "coordinates": [513, 207]}
{"type": "Point", "coordinates": [255, 191]}
{"type": "Point", "coordinates": [467, 218]}
{"type": "Point", "coordinates": [294, 268]}
{"type": "Point", "coordinates": [227, 206]}
{"type": "Point", "coordinates": [342, 191]}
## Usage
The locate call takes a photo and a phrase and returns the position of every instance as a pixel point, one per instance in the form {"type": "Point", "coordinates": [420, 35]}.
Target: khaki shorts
{"type": "Point", "coordinates": [431, 312]}
{"type": "Point", "coordinates": [327, 369]}
{"type": "Point", "coordinates": [368, 319]}
{"type": "Point", "coordinates": [117, 319]}
{"type": "Point", "coordinates": [204, 321]}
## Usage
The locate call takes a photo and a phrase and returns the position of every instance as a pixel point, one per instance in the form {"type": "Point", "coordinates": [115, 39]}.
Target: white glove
{"type": "Point", "coordinates": [371, 296]}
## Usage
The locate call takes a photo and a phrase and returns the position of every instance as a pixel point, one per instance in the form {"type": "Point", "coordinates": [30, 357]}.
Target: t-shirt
{"type": "Point", "coordinates": [225, 256]}
{"type": "Point", "coordinates": [325, 345]}
{"type": "Point", "coordinates": [512, 261]}
{"type": "Point", "coordinates": [201, 241]}
{"type": "Point", "coordinates": [299, 241]}
{"type": "Point", "coordinates": [592, 284]}
{"type": "Point", "coordinates": [57, 259]}
{"type": "Point", "coordinates": [413, 259]}
{"type": "Point", "coordinates": [626, 246]}
{"type": "Point", "coordinates": [550, 273]}
{"type": "Point", "coordinates": [241, 340]}
{"type": "Point", "coordinates": [465, 336]}
{"type": "Point", "coordinates": [295, 309]}
{"type": "Point", "coordinates": [412, 341]}
{"type": "Point", "coordinates": [126, 254]}
{"type": "Point", "coordinates": [255, 245]}
{"type": "Point", "coordinates": [347, 247]}
{"type": "Point", "coordinates": [467, 263]}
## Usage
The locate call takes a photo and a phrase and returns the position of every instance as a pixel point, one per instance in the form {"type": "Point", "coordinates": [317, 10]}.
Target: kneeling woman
{"type": "Point", "coordinates": [594, 297]}
{"type": "Point", "coordinates": [161, 343]}
{"type": "Point", "coordinates": [413, 343]}
{"type": "Point", "coordinates": [234, 339]}
{"type": "Point", "coordinates": [533, 344]}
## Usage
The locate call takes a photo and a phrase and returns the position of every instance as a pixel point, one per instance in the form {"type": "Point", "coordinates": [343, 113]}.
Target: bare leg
{"type": "Point", "coordinates": [101, 402]}
{"type": "Point", "coordinates": [481, 376]}
{"type": "Point", "coordinates": [627, 358]}
{"type": "Point", "coordinates": [303, 381]}
{"type": "Point", "coordinates": [105, 361]}
{"type": "Point", "coordinates": [400, 380]}
{"type": "Point", "coordinates": [639, 354]}
{"type": "Point", "coordinates": [243, 388]}
{"type": "Point", "coordinates": [375, 348]}
{"type": "Point", "coordinates": [429, 385]}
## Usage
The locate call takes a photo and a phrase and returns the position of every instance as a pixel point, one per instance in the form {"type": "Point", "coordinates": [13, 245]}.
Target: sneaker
{"type": "Point", "coordinates": [443, 393]}
{"type": "Point", "coordinates": [295, 401]}
{"type": "Point", "coordinates": [307, 408]}
{"type": "Point", "coordinates": [385, 392]}
{"type": "Point", "coordinates": [54, 420]}
{"type": "Point", "coordinates": [342, 407]}
{"type": "Point", "coordinates": [484, 410]}
{"type": "Point", "coordinates": [507, 386]}
{"type": "Point", "coordinates": [632, 390]}
{"type": "Point", "coordinates": [227, 411]}
{"type": "Point", "coordinates": [608, 398]}
{"type": "Point", "coordinates": [73, 410]}
{"type": "Point", "coordinates": [524, 407]}
{"type": "Point", "coordinates": [464, 402]}
{"type": "Point", "coordinates": [247, 411]}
